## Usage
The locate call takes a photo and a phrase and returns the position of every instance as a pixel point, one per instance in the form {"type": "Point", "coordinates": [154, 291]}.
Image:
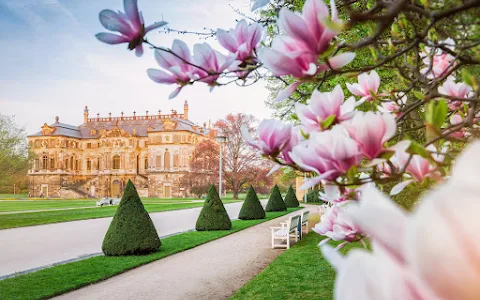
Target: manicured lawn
{"type": "Point", "coordinates": [13, 196]}
{"type": "Point", "coordinates": [20, 205]}
{"type": "Point", "coordinates": [57, 216]}
{"type": "Point", "coordinates": [63, 278]}
{"type": "Point", "coordinates": [299, 273]}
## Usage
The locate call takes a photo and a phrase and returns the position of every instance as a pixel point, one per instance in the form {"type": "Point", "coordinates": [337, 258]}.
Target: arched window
{"type": "Point", "coordinates": [67, 164]}
{"type": "Point", "coordinates": [44, 162]}
{"type": "Point", "coordinates": [145, 162]}
{"type": "Point", "coordinates": [89, 164]}
{"type": "Point", "coordinates": [52, 164]}
{"type": "Point", "coordinates": [116, 162]}
{"type": "Point", "coordinates": [167, 160]}
{"type": "Point", "coordinates": [98, 164]}
{"type": "Point", "coordinates": [72, 162]}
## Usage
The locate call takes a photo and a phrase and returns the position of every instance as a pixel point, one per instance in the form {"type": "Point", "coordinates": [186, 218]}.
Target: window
{"type": "Point", "coordinates": [67, 165]}
{"type": "Point", "coordinates": [145, 162]}
{"type": "Point", "coordinates": [72, 162]}
{"type": "Point", "coordinates": [98, 163]}
{"type": "Point", "coordinates": [175, 160]}
{"type": "Point", "coordinates": [77, 165]}
{"type": "Point", "coordinates": [44, 162]}
{"type": "Point", "coordinates": [167, 160]}
{"type": "Point", "coordinates": [36, 164]}
{"type": "Point", "coordinates": [89, 164]}
{"type": "Point", "coordinates": [158, 161]}
{"type": "Point", "coordinates": [116, 162]}
{"type": "Point", "coordinates": [52, 164]}
{"type": "Point", "coordinates": [89, 145]}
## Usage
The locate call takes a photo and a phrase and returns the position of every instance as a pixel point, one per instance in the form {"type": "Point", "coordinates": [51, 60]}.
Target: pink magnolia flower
{"type": "Point", "coordinates": [417, 256]}
{"type": "Point", "coordinates": [455, 120]}
{"type": "Point", "coordinates": [371, 131]}
{"type": "Point", "coordinates": [243, 40]}
{"type": "Point", "coordinates": [212, 61]}
{"type": "Point", "coordinates": [324, 105]}
{"type": "Point", "coordinates": [333, 195]}
{"type": "Point", "coordinates": [309, 27]}
{"type": "Point", "coordinates": [392, 106]}
{"type": "Point", "coordinates": [438, 63]}
{"type": "Point", "coordinates": [328, 153]}
{"type": "Point", "coordinates": [273, 137]}
{"type": "Point", "coordinates": [130, 25]}
{"type": "Point", "coordinates": [419, 167]}
{"type": "Point", "coordinates": [180, 70]}
{"type": "Point", "coordinates": [458, 90]}
{"type": "Point", "coordinates": [367, 86]}
{"type": "Point", "coordinates": [306, 37]}
{"type": "Point", "coordinates": [337, 226]}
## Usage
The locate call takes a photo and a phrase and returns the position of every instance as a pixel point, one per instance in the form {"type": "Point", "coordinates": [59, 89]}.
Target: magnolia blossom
{"type": "Point", "coordinates": [273, 137]}
{"type": "Point", "coordinates": [457, 90]}
{"type": "Point", "coordinates": [394, 107]}
{"type": "Point", "coordinates": [179, 67]}
{"type": "Point", "coordinates": [324, 105]}
{"type": "Point", "coordinates": [328, 153]}
{"type": "Point", "coordinates": [430, 254]}
{"type": "Point", "coordinates": [367, 86]}
{"type": "Point", "coordinates": [243, 40]}
{"type": "Point", "coordinates": [130, 25]}
{"type": "Point", "coordinates": [371, 131]}
{"type": "Point", "coordinates": [439, 62]}
{"type": "Point", "coordinates": [337, 226]}
{"type": "Point", "coordinates": [333, 195]}
{"type": "Point", "coordinates": [455, 120]}
{"type": "Point", "coordinates": [211, 62]}
{"type": "Point", "coordinates": [306, 37]}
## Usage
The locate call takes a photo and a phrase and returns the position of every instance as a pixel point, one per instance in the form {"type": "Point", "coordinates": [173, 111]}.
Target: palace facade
{"type": "Point", "coordinates": [97, 158]}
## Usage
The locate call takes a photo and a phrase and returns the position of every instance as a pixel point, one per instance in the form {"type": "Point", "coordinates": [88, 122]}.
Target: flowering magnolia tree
{"type": "Point", "coordinates": [376, 92]}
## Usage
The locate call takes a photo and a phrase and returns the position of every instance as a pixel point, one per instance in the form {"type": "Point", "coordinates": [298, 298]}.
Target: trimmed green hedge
{"type": "Point", "coordinates": [132, 231]}
{"type": "Point", "coordinates": [291, 199]}
{"type": "Point", "coordinates": [213, 215]}
{"type": "Point", "coordinates": [275, 202]}
{"type": "Point", "coordinates": [312, 196]}
{"type": "Point", "coordinates": [252, 209]}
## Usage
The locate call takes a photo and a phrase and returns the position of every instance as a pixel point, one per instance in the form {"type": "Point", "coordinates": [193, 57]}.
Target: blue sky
{"type": "Point", "coordinates": [51, 63]}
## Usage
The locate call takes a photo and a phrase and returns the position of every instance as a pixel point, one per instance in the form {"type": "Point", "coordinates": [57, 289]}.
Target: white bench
{"type": "Point", "coordinates": [304, 220]}
{"type": "Point", "coordinates": [284, 233]}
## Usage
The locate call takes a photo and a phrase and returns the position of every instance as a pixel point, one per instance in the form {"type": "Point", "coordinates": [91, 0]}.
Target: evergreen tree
{"type": "Point", "coordinates": [213, 215]}
{"type": "Point", "coordinates": [252, 208]}
{"type": "Point", "coordinates": [275, 202]}
{"type": "Point", "coordinates": [291, 199]}
{"type": "Point", "coordinates": [132, 231]}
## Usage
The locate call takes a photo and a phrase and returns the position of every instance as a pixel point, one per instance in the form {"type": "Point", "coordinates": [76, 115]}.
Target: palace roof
{"type": "Point", "coordinates": [128, 126]}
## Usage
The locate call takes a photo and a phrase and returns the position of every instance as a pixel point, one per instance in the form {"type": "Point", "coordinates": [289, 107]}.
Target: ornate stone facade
{"type": "Point", "coordinates": [97, 158]}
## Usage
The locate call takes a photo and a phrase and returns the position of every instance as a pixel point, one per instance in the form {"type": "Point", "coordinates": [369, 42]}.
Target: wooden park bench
{"type": "Point", "coordinates": [284, 233]}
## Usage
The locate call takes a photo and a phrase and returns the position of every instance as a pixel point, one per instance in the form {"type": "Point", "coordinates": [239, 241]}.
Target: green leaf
{"type": "Point", "coordinates": [387, 154]}
{"type": "Point", "coordinates": [305, 135]}
{"type": "Point", "coordinates": [416, 148]}
{"type": "Point", "coordinates": [440, 113]}
{"type": "Point", "coordinates": [467, 78]}
{"type": "Point", "coordinates": [351, 173]}
{"type": "Point", "coordinates": [328, 121]}
{"type": "Point", "coordinates": [419, 95]}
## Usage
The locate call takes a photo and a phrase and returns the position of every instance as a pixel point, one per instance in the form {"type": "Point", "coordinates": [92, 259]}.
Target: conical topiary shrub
{"type": "Point", "coordinates": [291, 199]}
{"type": "Point", "coordinates": [213, 215]}
{"type": "Point", "coordinates": [275, 202]}
{"type": "Point", "coordinates": [252, 209]}
{"type": "Point", "coordinates": [132, 231]}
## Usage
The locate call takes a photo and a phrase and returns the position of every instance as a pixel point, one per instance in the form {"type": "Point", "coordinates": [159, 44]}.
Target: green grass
{"type": "Point", "coordinates": [13, 196]}
{"type": "Point", "coordinates": [63, 278]}
{"type": "Point", "coordinates": [20, 205]}
{"type": "Point", "coordinates": [299, 273]}
{"type": "Point", "coordinates": [57, 216]}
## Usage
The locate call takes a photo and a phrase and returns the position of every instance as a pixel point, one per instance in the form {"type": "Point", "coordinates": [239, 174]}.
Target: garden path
{"type": "Point", "coordinates": [214, 270]}
{"type": "Point", "coordinates": [27, 249]}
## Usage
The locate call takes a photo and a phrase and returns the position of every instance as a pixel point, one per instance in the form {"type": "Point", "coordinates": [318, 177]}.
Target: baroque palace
{"type": "Point", "coordinates": [97, 158]}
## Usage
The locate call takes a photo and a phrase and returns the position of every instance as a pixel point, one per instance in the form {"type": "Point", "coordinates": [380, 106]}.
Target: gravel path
{"type": "Point", "coordinates": [211, 271]}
